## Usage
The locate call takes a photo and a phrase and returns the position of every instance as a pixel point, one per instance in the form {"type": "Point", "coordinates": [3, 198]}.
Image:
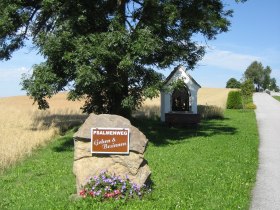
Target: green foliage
{"type": "Point", "coordinates": [233, 83]}
{"type": "Point", "coordinates": [177, 84]}
{"type": "Point", "coordinates": [273, 86]}
{"type": "Point", "coordinates": [234, 100]}
{"type": "Point", "coordinates": [266, 78]}
{"type": "Point", "coordinates": [247, 88]}
{"type": "Point", "coordinates": [255, 73]}
{"type": "Point", "coordinates": [261, 76]}
{"type": "Point", "coordinates": [105, 50]}
{"type": "Point", "coordinates": [250, 105]}
{"type": "Point", "coordinates": [215, 168]}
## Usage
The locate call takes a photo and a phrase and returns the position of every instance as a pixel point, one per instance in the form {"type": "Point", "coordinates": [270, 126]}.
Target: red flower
{"type": "Point", "coordinates": [83, 193]}
{"type": "Point", "coordinates": [109, 195]}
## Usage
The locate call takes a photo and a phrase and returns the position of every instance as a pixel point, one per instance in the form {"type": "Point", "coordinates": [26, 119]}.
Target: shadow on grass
{"type": "Point", "coordinates": [62, 122]}
{"type": "Point", "coordinates": [66, 145]}
{"type": "Point", "coordinates": [160, 134]}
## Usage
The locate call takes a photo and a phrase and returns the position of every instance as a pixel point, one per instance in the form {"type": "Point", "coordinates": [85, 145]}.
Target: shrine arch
{"type": "Point", "coordinates": [181, 100]}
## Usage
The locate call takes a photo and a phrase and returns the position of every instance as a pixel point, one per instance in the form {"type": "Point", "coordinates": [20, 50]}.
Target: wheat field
{"type": "Point", "coordinates": [23, 127]}
{"type": "Point", "coordinates": [213, 96]}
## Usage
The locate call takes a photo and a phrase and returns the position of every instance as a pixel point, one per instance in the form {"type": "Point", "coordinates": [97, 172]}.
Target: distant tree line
{"type": "Point", "coordinates": [258, 75]}
{"type": "Point", "coordinates": [233, 83]}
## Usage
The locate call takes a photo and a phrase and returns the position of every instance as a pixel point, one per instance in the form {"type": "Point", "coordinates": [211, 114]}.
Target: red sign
{"type": "Point", "coordinates": [110, 140]}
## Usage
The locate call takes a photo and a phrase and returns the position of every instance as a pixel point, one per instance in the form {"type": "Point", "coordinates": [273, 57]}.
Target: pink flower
{"type": "Point", "coordinates": [117, 192]}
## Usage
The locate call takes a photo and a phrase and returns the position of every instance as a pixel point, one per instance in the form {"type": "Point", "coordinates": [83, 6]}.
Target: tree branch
{"type": "Point", "coordinates": [138, 2]}
{"type": "Point", "coordinates": [129, 24]}
{"type": "Point", "coordinates": [30, 20]}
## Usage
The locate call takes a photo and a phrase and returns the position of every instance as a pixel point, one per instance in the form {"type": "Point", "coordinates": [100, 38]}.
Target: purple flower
{"type": "Point", "coordinates": [97, 183]}
{"type": "Point", "coordinates": [103, 171]}
{"type": "Point", "coordinates": [98, 192]}
{"type": "Point", "coordinates": [120, 180]}
{"type": "Point", "coordinates": [107, 188]}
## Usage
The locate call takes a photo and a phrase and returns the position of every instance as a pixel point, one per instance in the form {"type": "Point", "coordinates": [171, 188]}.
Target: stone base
{"type": "Point", "coordinates": [182, 119]}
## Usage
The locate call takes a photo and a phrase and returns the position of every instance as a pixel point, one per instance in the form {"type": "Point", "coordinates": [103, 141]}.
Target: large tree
{"type": "Point", "coordinates": [266, 78]}
{"type": "Point", "coordinates": [260, 76]}
{"type": "Point", "coordinates": [105, 50]}
{"type": "Point", "coordinates": [273, 85]}
{"type": "Point", "coordinates": [255, 72]}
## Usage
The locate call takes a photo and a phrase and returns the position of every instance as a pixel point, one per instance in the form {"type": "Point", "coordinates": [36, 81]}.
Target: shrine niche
{"type": "Point", "coordinates": [181, 99]}
{"type": "Point", "coordinates": [179, 103]}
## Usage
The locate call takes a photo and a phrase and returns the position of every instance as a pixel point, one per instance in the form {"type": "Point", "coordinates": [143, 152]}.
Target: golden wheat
{"type": "Point", "coordinates": [23, 127]}
{"type": "Point", "coordinates": [213, 96]}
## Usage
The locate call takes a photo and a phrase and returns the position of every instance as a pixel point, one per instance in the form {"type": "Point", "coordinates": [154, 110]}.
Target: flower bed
{"type": "Point", "coordinates": [107, 186]}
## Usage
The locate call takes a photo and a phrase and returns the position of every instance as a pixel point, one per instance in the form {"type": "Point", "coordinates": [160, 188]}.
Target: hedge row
{"type": "Point", "coordinates": [234, 100]}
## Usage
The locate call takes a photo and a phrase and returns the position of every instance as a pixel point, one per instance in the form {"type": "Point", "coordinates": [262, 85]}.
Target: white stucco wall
{"type": "Point", "coordinates": [165, 104]}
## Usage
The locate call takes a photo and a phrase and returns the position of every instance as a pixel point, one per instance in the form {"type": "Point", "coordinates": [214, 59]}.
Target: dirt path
{"type": "Point", "coordinates": [266, 194]}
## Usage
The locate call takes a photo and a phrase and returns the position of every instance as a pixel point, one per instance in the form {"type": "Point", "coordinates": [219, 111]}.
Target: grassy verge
{"type": "Point", "coordinates": [277, 97]}
{"type": "Point", "coordinates": [212, 167]}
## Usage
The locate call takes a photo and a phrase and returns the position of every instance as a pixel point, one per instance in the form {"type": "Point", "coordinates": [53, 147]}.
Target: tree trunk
{"type": "Point", "coordinates": [121, 12]}
{"type": "Point", "coordinates": [117, 90]}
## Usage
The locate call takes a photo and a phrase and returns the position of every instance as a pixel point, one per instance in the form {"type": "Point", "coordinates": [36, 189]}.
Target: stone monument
{"type": "Point", "coordinates": [132, 165]}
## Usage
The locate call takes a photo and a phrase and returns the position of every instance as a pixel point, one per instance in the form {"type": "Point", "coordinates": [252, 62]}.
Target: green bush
{"type": "Point", "coordinates": [210, 112]}
{"type": "Point", "coordinates": [247, 88]}
{"type": "Point", "coordinates": [234, 100]}
{"type": "Point", "coordinates": [250, 106]}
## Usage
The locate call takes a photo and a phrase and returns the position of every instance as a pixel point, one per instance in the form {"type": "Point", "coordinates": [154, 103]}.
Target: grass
{"type": "Point", "coordinates": [277, 97]}
{"type": "Point", "coordinates": [212, 167]}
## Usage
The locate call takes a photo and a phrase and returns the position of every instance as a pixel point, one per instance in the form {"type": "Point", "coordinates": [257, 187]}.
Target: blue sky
{"type": "Point", "coordinates": [254, 35]}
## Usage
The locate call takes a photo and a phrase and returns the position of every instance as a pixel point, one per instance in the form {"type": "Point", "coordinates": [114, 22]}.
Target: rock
{"type": "Point", "coordinates": [87, 165]}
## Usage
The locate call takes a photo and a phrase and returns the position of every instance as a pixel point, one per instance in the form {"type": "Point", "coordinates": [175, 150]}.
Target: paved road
{"type": "Point", "coordinates": [266, 194]}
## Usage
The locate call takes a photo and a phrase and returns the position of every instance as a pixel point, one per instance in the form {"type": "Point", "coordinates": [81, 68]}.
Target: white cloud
{"type": "Point", "coordinates": [12, 74]}
{"type": "Point", "coordinates": [228, 60]}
